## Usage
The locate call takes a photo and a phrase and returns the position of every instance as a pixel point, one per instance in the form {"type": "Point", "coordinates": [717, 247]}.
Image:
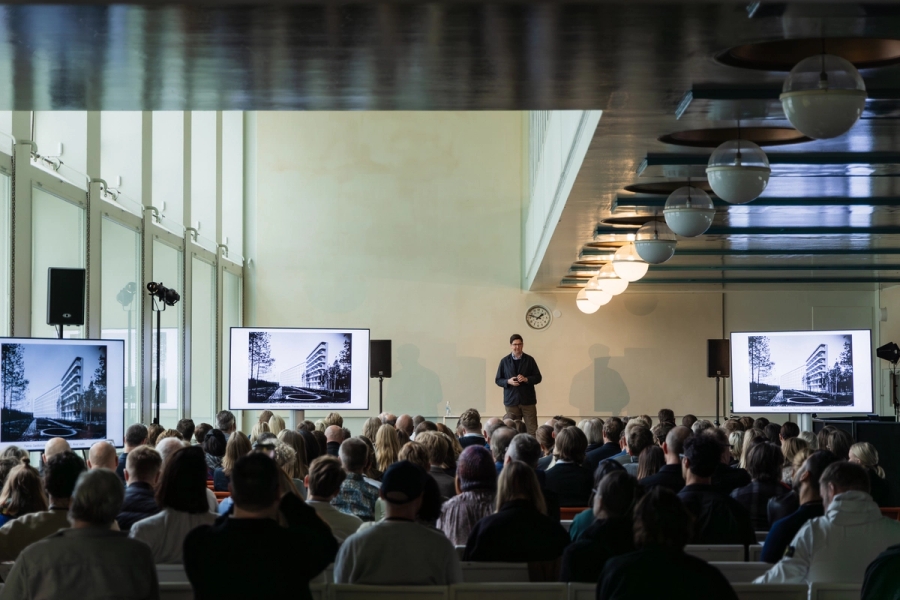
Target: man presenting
{"type": "Point", "coordinates": [517, 375]}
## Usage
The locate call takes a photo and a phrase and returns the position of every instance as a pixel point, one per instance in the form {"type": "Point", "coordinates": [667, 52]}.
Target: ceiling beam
{"type": "Point", "coordinates": [572, 282]}
{"type": "Point", "coordinates": [770, 231]}
{"type": "Point", "coordinates": [757, 267]}
{"type": "Point", "coordinates": [634, 202]}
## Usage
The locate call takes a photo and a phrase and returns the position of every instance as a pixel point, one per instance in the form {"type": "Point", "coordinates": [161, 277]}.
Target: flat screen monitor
{"type": "Point", "coordinates": [72, 389]}
{"type": "Point", "coordinates": [299, 369]}
{"type": "Point", "coordinates": [802, 371]}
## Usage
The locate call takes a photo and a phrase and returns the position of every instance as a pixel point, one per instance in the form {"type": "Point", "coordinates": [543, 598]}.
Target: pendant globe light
{"type": "Point", "coordinates": [628, 264]}
{"type": "Point", "coordinates": [823, 96]}
{"type": "Point", "coordinates": [609, 281]}
{"type": "Point", "coordinates": [596, 294]}
{"type": "Point", "coordinates": [689, 211]}
{"type": "Point", "coordinates": [655, 242]}
{"type": "Point", "coordinates": [738, 171]}
{"type": "Point", "coordinates": [587, 306]}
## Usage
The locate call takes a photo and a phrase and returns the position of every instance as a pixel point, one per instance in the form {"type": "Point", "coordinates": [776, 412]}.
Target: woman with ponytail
{"type": "Point", "coordinates": [865, 455]}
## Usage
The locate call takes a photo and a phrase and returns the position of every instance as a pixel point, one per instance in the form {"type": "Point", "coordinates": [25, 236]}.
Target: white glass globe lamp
{"type": "Point", "coordinates": [585, 305]}
{"type": "Point", "coordinates": [689, 211]}
{"type": "Point", "coordinates": [823, 96]}
{"type": "Point", "coordinates": [628, 264]}
{"type": "Point", "coordinates": [596, 294]}
{"type": "Point", "coordinates": [738, 171]}
{"type": "Point", "coordinates": [655, 242]}
{"type": "Point", "coordinates": [609, 281]}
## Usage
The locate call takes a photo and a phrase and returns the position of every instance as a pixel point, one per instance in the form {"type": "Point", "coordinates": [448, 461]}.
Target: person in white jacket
{"type": "Point", "coordinates": [837, 547]}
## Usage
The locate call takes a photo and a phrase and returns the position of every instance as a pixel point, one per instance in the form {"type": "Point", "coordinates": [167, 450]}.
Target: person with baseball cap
{"type": "Point", "coordinates": [399, 550]}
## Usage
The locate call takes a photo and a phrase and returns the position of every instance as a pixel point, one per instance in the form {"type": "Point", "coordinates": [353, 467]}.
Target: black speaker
{"type": "Point", "coordinates": [379, 358]}
{"type": "Point", "coordinates": [718, 358]}
{"type": "Point", "coordinates": [65, 296]}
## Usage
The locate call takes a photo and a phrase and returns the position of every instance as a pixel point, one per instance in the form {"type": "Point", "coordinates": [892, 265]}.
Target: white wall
{"type": "Point", "coordinates": [410, 224]}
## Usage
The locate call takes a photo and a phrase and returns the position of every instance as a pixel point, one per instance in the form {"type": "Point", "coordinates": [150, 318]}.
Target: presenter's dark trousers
{"type": "Point", "coordinates": [525, 413]}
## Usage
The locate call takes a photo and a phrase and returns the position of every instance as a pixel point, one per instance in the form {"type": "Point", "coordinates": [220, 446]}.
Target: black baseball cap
{"type": "Point", "coordinates": [403, 482]}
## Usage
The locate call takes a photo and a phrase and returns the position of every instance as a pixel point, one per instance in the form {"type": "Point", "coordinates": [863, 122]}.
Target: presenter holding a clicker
{"type": "Point", "coordinates": [517, 375]}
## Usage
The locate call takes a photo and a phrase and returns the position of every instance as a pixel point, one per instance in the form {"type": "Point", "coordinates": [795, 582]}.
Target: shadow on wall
{"type": "Point", "coordinates": [413, 388]}
{"type": "Point", "coordinates": [600, 383]}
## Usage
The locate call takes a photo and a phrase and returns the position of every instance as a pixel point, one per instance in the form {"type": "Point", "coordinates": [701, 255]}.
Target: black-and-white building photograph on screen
{"type": "Point", "coordinates": [809, 369]}
{"type": "Point", "coordinates": [53, 390]}
{"type": "Point", "coordinates": [286, 367]}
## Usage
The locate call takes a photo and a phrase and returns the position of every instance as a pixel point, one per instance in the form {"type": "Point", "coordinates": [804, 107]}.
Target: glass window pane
{"type": "Point", "coordinates": [120, 304]}
{"type": "Point", "coordinates": [233, 184]}
{"type": "Point", "coordinates": [203, 173]}
{"type": "Point", "coordinates": [167, 269]}
{"type": "Point", "coordinates": [232, 316]}
{"type": "Point", "coordinates": [203, 341]}
{"type": "Point", "coordinates": [56, 130]}
{"type": "Point", "coordinates": [58, 234]}
{"type": "Point", "coordinates": [168, 165]}
{"type": "Point", "coordinates": [5, 257]}
{"type": "Point", "coordinates": [120, 151]}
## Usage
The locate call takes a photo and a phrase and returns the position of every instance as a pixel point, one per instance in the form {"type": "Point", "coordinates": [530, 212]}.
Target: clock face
{"type": "Point", "coordinates": [538, 317]}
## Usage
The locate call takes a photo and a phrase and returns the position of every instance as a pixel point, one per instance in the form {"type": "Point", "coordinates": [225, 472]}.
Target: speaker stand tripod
{"type": "Point", "coordinates": [717, 400]}
{"type": "Point", "coordinates": [380, 392]}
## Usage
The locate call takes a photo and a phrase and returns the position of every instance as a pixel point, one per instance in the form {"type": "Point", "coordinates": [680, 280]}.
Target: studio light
{"type": "Point", "coordinates": [823, 96]}
{"type": "Point", "coordinates": [167, 295]}
{"type": "Point", "coordinates": [889, 352]}
{"type": "Point", "coordinates": [585, 305]}
{"type": "Point", "coordinates": [689, 211]}
{"type": "Point", "coordinates": [628, 264]}
{"type": "Point", "coordinates": [609, 281]}
{"type": "Point", "coordinates": [655, 243]}
{"type": "Point", "coordinates": [738, 171]}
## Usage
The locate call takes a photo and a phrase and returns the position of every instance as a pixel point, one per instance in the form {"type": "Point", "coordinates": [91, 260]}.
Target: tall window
{"type": "Point", "coordinates": [232, 313]}
{"type": "Point", "coordinates": [4, 254]}
{"type": "Point", "coordinates": [167, 269]}
{"type": "Point", "coordinates": [203, 340]}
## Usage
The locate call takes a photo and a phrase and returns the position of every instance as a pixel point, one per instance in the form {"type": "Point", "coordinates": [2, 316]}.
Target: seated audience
{"type": "Point", "coordinates": [788, 430]}
{"type": "Point", "coordinates": [593, 431]}
{"type": "Point", "coordinates": [399, 550]}
{"type": "Point", "coordinates": [388, 419]}
{"type": "Point", "coordinates": [169, 433]}
{"type": "Point", "coordinates": [736, 441]}
{"type": "Point", "coordinates": [153, 431]}
{"type": "Point", "coordinates": [811, 440]}
{"type": "Point", "coordinates": [370, 429]}
{"type": "Point", "coordinates": [612, 432]}
{"type": "Point", "coordinates": [7, 464]}
{"type": "Point", "coordinates": [470, 420]}
{"type": "Point", "coordinates": [806, 485]}
{"type": "Point", "coordinates": [783, 506]}
{"type": "Point", "coordinates": [760, 423]}
{"type": "Point", "coordinates": [544, 436]}
{"type": "Point", "coordinates": [371, 474]}
{"type": "Point", "coordinates": [747, 422]}
{"type": "Point", "coordinates": [406, 425]}
{"type": "Point", "coordinates": [169, 446]}
{"type": "Point", "coordinates": [636, 440]}
{"type": "Point", "coordinates": [257, 430]}
{"type": "Point", "coordinates": [286, 459]}
{"type": "Point", "coordinates": [321, 442]}
{"type": "Point", "coordinates": [238, 445]}
{"type": "Point", "coordinates": [839, 442]}
{"type": "Point", "coordinates": [773, 433]}
{"type": "Point", "coordinates": [660, 567]}
{"type": "Point", "coordinates": [524, 448]}
{"type": "Point", "coordinates": [718, 518]}
{"type": "Point", "coordinates": [660, 432]}
{"type": "Point", "coordinates": [439, 456]}
{"type": "Point", "coordinates": [650, 462]}
{"type": "Point", "coordinates": [568, 478]}
{"type": "Point", "coordinates": [226, 423]}
{"type": "Point", "coordinates": [666, 415]}
{"type": "Point", "coordinates": [688, 421]}
{"type": "Point", "coordinates": [54, 446]}
{"type": "Point", "coordinates": [726, 477]}
{"type": "Point", "coordinates": [455, 447]}
{"type": "Point", "coordinates": [356, 497]}
{"type": "Point", "coordinates": [764, 465]}
{"type": "Point", "coordinates": [865, 455]}
{"type": "Point", "coordinates": [476, 491]}
{"type": "Point", "coordinates": [751, 438]}
{"type": "Point", "coordinates": [214, 445]}
{"type": "Point", "coordinates": [324, 482]}
{"type": "Point", "coordinates": [276, 424]}
{"type": "Point", "coordinates": [181, 497]}
{"type": "Point", "coordinates": [312, 446]}
{"type": "Point", "coordinates": [295, 441]}
{"type": "Point", "coordinates": [334, 437]}
{"type": "Point", "coordinates": [200, 433]}
{"type": "Point", "coordinates": [840, 545]}
{"type": "Point", "coordinates": [790, 447]}
{"type": "Point", "coordinates": [135, 435]}
{"type": "Point", "coordinates": [502, 537]}
{"type": "Point", "coordinates": [610, 535]}
{"type": "Point", "coordinates": [701, 426]}
{"type": "Point", "coordinates": [141, 476]}
{"type": "Point", "coordinates": [586, 518]}
{"type": "Point", "coordinates": [88, 560]}
{"type": "Point", "coordinates": [669, 475]}
{"type": "Point", "coordinates": [387, 447]}
{"type": "Point", "coordinates": [186, 428]}
{"type": "Point", "coordinates": [500, 439]}
{"type": "Point", "coordinates": [23, 492]}
{"type": "Point", "coordinates": [882, 581]}
{"type": "Point", "coordinates": [60, 476]}
{"type": "Point", "coordinates": [489, 426]}
{"type": "Point", "coordinates": [225, 561]}
{"type": "Point", "coordinates": [102, 455]}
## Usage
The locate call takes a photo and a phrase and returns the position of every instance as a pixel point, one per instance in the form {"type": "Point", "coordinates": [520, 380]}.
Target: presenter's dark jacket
{"type": "Point", "coordinates": [522, 394]}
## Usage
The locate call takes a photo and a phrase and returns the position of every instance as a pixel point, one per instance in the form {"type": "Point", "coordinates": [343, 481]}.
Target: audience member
{"type": "Point", "coordinates": [670, 474]}
{"type": "Point", "coordinates": [726, 477]}
{"type": "Point", "coordinates": [370, 429]}
{"type": "Point", "coordinates": [666, 415]}
{"type": "Point", "coordinates": [865, 455]}
{"type": "Point", "coordinates": [612, 432]}
{"type": "Point", "coordinates": [733, 425]}
{"type": "Point", "coordinates": [660, 566]}
{"type": "Point", "coordinates": [593, 431]}
{"type": "Point", "coordinates": [324, 482]}
{"type": "Point", "coordinates": [387, 447]}
{"type": "Point", "coordinates": [135, 435]}
{"type": "Point", "coordinates": [238, 445]}
{"type": "Point", "coordinates": [736, 441]}
{"type": "Point", "coordinates": [439, 451]}
{"type": "Point", "coordinates": [276, 424]}
{"type": "Point", "coordinates": [455, 447]}
{"type": "Point", "coordinates": [321, 441]}
{"type": "Point", "coordinates": [840, 545]}
{"type": "Point", "coordinates": [637, 438]}
{"type": "Point", "coordinates": [153, 431]}
{"type": "Point", "coordinates": [214, 445]}
{"type": "Point", "coordinates": [54, 446]}
{"type": "Point", "coordinates": [688, 421]}
{"type": "Point", "coordinates": [501, 537]}
{"type": "Point", "coordinates": [718, 518]}
{"type": "Point", "coordinates": [181, 497]}
{"type": "Point", "coordinates": [418, 419]}
{"type": "Point", "coordinates": [789, 430]}
{"type": "Point", "coordinates": [356, 497]}
{"type": "Point", "coordinates": [882, 580]}
{"type": "Point", "coordinates": [312, 446]}
{"type": "Point", "coordinates": [13, 451]}
{"type": "Point", "coordinates": [760, 423]}
{"type": "Point", "coordinates": [334, 437]}
{"type": "Point", "coordinates": [168, 446]}
{"type": "Point", "coordinates": [259, 428]}
{"type": "Point", "coordinates": [186, 428]}
{"type": "Point", "coordinates": [751, 438]}
{"type": "Point", "coordinates": [790, 447]}
{"type": "Point", "coordinates": [295, 440]}
{"type": "Point", "coordinates": [783, 506]}
{"type": "Point", "coordinates": [388, 419]}
{"type": "Point", "coordinates": [334, 418]}
{"type": "Point", "coordinates": [489, 426]}
{"type": "Point", "coordinates": [169, 433]}
{"type": "Point", "coordinates": [405, 424]}
{"type": "Point", "coordinates": [610, 534]}
{"type": "Point", "coordinates": [23, 493]}
{"type": "Point", "coordinates": [421, 428]}
{"type": "Point", "coordinates": [764, 465]}
{"type": "Point", "coordinates": [102, 455]}
{"type": "Point", "coordinates": [500, 439]}
{"type": "Point", "coordinates": [60, 476]}
{"type": "Point", "coordinates": [399, 550]}
{"type": "Point", "coordinates": [544, 436]}
{"type": "Point", "coordinates": [470, 420]}
{"type": "Point", "coordinates": [773, 433]}
{"type": "Point", "coordinates": [371, 474]}
{"type": "Point", "coordinates": [660, 431]}
{"type": "Point", "coordinates": [141, 476]}
{"type": "Point", "coordinates": [650, 462]}
{"type": "Point", "coordinates": [7, 464]}
{"type": "Point", "coordinates": [806, 485]}
{"type": "Point", "coordinates": [225, 561]}
{"type": "Point", "coordinates": [811, 440]}
{"type": "Point", "coordinates": [226, 423]}
{"type": "Point", "coordinates": [585, 518]}
{"type": "Point", "coordinates": [200, 433]}
{"type": "Point", "coordinates": [747, 422]}
{"type": "Point", "coordinates": [264, 416]}
{"type": "Point", "coordinates": [568, 478]}
{"type": "Point", "coordinates": [476, 490]}
{"type": "Point", "coordinates": [701, 426]}
{"type": "Point", "coordinates": [88, 560]}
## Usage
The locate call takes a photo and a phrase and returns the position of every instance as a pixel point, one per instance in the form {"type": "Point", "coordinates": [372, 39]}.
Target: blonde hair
{"type": "Point", "coordinates": [791, 447]}
{"type": "Point", "coordinates": [517, 481]}
{"type": "Point", "coordinates": [23, 492]}
{"type": "Point", "coordinates": [799, 458]}
{"type": "Point", "coordinates": [867, 456]}
{"type": "Point", "coordinates": [736, 439]}
{"type": "Point", "coordinates": [258, 429]}
{"type": "Point", "coordinates": [265, 415]}
{"type": "Point", "coordinates": [416, 453]}
{"type": "Point", "coordinates": [810, 438]}
{"type": "Point", "coordinates": [455, 446]}
{"type": "Point", "coordinates": [295, 441]}
{"type": "Point", "coordinates": [387, 447]}
{"type": "Point", "coordinates": [276, 424]}
{"type": "Point", "coordinates": [745, 447]}
{"type": "Point", "coordinates": [174, 433]}
{"type": "Point", "coordinates": [371, 427]}
{"type": "Point", "coordinates": [286, 458]}
{"type": "Point", "coordinates": [238, 445]}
